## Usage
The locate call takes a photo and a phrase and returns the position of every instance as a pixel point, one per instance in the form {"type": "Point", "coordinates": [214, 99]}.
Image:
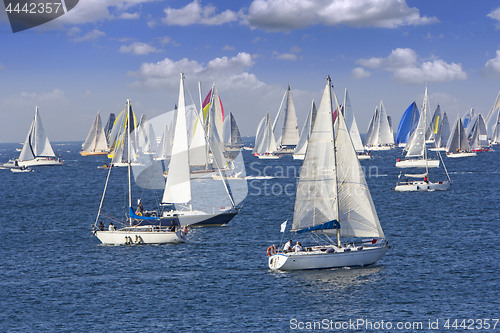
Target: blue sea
{"type": "Point", "coordinates": [441, 273]}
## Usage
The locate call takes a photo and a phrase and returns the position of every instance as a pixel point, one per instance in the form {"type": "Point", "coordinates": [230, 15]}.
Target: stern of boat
{"type": "Point", "coordinates": [276, 261]}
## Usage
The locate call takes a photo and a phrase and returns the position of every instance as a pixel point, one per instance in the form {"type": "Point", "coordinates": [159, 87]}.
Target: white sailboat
{"type": "Point", "coordinates": [458, 145]}
{"type": "Point", "coordinates": [332, 199]}
{"type": "Point", "coordinates": [492, 121]}
{"type": "Point", "coordinates": [290, 131]}
{"type": "Point", "coordinates": [442, 135]}
{"type": "Point", "coordinates": [379, 135]}
{"type": "Point", "coordinates": [95, 143]}
{"type": "Point", "coordinates": [137, 229]}
{"type": "Point", "coordinates": [479, 136]}
{"type": "Point", "coordinates": [231, 134]}
{"type": "Point", "coordinates": [37, 150]}
{"type": "Point", "coordinates": [265, 143]}
{"type": "Point", "coordinates": [177, 193]}
{"type": "Point", "coordinates": [430, 134]}
{"type": "Point", "coordinates": [416, 151]}
{"type": "Point", "coordinates": [352, 126]}
{"type": "Point", "coordinates": [122, 137]}
{"type": "Point", "coordinates": [300, 150]}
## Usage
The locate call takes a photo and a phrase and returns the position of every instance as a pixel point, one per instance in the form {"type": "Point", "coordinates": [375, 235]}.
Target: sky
{"type": "Point", "coordinates": [103, 52]}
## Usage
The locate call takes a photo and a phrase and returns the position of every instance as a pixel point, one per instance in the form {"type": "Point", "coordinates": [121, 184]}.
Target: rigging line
{"type": "Point", "coordinates": [102, 199]}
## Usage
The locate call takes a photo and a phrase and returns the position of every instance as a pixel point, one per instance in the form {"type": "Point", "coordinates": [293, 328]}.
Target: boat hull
{"type": "Point", "coordinates": [323, 260]}
{"type": "Point", "coordinates": [456, 155]}
{"type": "Point", "coordinates": [140, 236]}
{"type": "Point", "coordinates": [364, 157]}
{"type": "Point", "coordinates": [421, 186]}
{"type": "Point", "coordinates": [298, 156]}
{"type": "Point", "coordinates": [41, 161]}
{"type": "Point", "coordinates": [417, 163]}
{"type": "Point", "coordinates": [92, 153]}
{"type": "Point", "coordinates": [200, 219]}
{"type": "Point", "coordinates": [379, 148]}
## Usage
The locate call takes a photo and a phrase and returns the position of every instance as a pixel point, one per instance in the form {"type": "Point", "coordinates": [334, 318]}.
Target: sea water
{"type": "Point", "coordinates": [442, 268]}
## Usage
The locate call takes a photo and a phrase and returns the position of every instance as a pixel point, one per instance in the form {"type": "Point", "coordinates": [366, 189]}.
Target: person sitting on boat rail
{"type": "Point", "coordinates": [111, 227]}
{"type": "Point", "coordinates": [174, 223]}
{"type": "Point", "coordinates": [288, 246]}
{"type": "Point", "coordinates": [298, 247]}
{"type": "Point", "coordinates": [101, 226]}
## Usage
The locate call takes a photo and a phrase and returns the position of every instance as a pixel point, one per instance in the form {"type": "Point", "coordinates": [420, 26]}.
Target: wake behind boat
{"type": "Point", "coordinates": [332, 199]}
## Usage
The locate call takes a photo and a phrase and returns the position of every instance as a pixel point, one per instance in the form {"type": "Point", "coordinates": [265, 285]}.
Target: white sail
{"type": "Point", "coordinates": [259, 136]}
{"type": "Point", "coordinates": [479, 134]}
{"type": "Point", "coordinates": [443, 132]}
{"type": "Point", "coordinates": [37, 143]}
{"type": "Point", "coordinates": [290, 133]}
{"type": "Point", "coordinates": [434, 124]}
{"type": "Point", "coordinates": [385, 133]}
{"type": "Point", "coordinates": [370, 131]}
{"type": "Point", "coordinates": [416, 145]}
{"type": "Point", "coordinates": [351, 123]}
{"type": "Point", "coordinates": [198, 152]}
{"type": "Point", "coordinates": [458, 139]}
{"type": "Point", "coordinates": [96, 139]}
{"type": "Point", "coordinates": [178, 186]}
{"type": "Point", "coordinates": [316, 198]}
{"type": "Point", "coordinates": [357, 214]}
{"type": "Point", "coordinates": [493, 114]}
{"type": "Point", "coordinates": [304, 134]}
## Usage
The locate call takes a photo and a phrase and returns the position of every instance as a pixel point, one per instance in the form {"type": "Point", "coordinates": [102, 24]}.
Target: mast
{"type": "Point", "coordinates": [425, 126]}
{"type": "Point", "coordinates": [127, 128]}
{"type": "Point", "coordinates": [335, 156]}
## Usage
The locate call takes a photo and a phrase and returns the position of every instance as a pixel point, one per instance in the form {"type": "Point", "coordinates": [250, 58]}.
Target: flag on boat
{"type": "Point", "coordinates": [283, 226]}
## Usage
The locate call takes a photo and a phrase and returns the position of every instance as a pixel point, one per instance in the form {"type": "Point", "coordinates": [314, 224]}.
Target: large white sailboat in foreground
{"type": "Point", "coordinates": [332, 199]}
{"type": "Point", "coordinates": [37, 150]}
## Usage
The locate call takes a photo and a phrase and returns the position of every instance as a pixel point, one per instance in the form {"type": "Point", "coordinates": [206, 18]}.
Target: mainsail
{"type": "Point", "coordinates": [332, 187]}
{"type": "Point", "coordinates": [96, 139]}
{"type": "Point", "coordinates": [407, 124]}
{"type": "Point", "coordinates": [350, 121]}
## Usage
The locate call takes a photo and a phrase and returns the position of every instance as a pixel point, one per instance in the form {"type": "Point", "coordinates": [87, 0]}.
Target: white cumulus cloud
{"type": "Point", "coordinates": [406, 67]}
{"type": "Point", "coordinates": [195, 13]}
{"type": "Point", "coordinates": [285, 15]}
{"type": "Point", "coordinates": [138, 48]}
{"type": "Point", "coordinates": [492, 67]}
{"type": "Point", "coordinates": [359, 73]}
{"type": "Point", "coordinates": [229, 73]}
{"type": "Point", "coordinates": [496, 16]}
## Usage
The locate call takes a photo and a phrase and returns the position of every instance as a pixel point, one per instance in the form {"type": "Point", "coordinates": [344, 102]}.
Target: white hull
{"type": "Point", "coordinates": [298, 156]}
{"type": "Point", "coordinates": [17, 170]}
{"type": "Point", "coordinates": [379, 148]}
{"type": "Point", "coordinates": [438, 149]}
{"type": "Point", "coordinates": [455, 155]}
{"type": "Point", "coordinates": [417, 163]}
{"type": "Point", "coordinates": [364, 157]}
{"type": "Point", "coordinates": [362, 256]}
{"type": "Point", "coordinates": [41, 161]}
{"type": "Point", "coordinates": [248, 148]}
{"type": "Point", "coordinates": [140, 235]}
{"type": "Point", "coordinates": [126, 164]}
{"type": "Point", "coordinates": [402, 145]}
{"type": "Point", "coordinates": [421, 186]}
{"type": "Point", "coordinates": [268, 157]}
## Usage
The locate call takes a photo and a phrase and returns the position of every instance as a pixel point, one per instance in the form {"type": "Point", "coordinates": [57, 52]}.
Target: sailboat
{"type": "Point", "coordinates": [492, 121]}
{"type": "Point", "coordinates": [231, 134]}
{"type": "Point", "coordinates": [290, 132]}
{"type": "Point", "coordinates": [430, 134]}
{"type": "Point", "coordinates": [379, 135]}
{"type": "Point", "coordinates": [442, 135]}
{"type": "Point", "coordinates": [416, 151]}
{"type": "Point", "coordinates": [458, 145]}
{"type": "Point", "coordinates": [332, 199]}
{"type": "Point", "coordinates": [178, 194]}
{"type": "Point", "coordinates": [407, 125]}
{"type": "Point", "coordinates": [495, 136]}
{"type": "Point", "coordinates": [265, 143]}
{"type": "Point", "coordinates": [138, 229]}
{"type": "Point", "coordinates": [96, 143]}
{"type": "Point", "coordinates": [37, 150]}
{"type": "Point", "coordinates": [479, 136]}
{"type": "Point", "coordinates": [352, 127]}
{"type": "Point", "coordinates": [123, 136]}
{"type": "Point", "coordinates": [416, 148]}
{"type": "Point", "coordinates": [300, 149]}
